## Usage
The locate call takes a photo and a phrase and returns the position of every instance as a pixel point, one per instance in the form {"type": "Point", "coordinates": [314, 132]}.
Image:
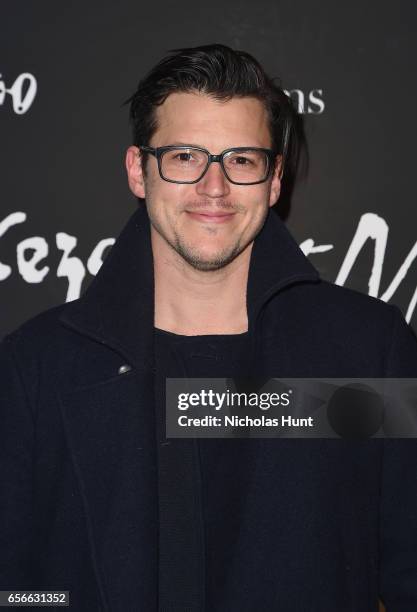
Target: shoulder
{"type": "Point", "coordinates": [359, 315]}
{"type": "Point", "coordinates": [342, 305]}
{"type": "Point", "coordinates": [40, 330]}
{"type": "Point", "coordinates": [353, 331]}
{"type": "Point", "coordinates": [42, 347]}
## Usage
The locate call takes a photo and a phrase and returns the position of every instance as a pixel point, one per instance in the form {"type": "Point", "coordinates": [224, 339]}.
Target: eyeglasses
{"type": "Point", "coordinates": [241, 165]}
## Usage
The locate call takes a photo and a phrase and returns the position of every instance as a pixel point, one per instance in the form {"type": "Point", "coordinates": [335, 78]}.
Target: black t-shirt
{"type": "Point", "coordinates": [180, 487]}
{"type": "Point", "coordinates": [208, 356]}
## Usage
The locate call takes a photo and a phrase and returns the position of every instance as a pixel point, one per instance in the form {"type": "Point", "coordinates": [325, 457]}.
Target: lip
{"type": "Point", "coordinates": [211, 217]}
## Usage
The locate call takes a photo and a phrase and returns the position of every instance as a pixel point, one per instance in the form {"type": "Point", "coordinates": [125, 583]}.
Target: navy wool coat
{"type": "Point", "coordinates": [270, 524]}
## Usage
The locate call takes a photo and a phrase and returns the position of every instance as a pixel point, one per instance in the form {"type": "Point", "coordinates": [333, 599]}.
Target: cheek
{"type": "Point", "coordinates": [257, 206]}
{"type": "Point", "coordinates": [256, 200]}
{"type": "Point", "coordinates": [165, 201]}
{"type": "Point", "coordinates": [256, 193]}
{"type": "Point", "coordinates": [169, 194]}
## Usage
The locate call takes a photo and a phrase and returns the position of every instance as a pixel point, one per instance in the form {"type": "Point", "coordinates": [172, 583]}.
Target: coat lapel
{"type": "Point", "coordinates": [117, 308]}
{"type": "Point", "coordinates": [109, 423]}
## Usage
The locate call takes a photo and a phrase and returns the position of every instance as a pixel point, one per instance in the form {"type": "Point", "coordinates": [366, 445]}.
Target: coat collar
{"type": "Point", "coordinates": [117, 308]}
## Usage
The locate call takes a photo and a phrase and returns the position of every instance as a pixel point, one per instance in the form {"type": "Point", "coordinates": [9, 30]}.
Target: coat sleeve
{"type": "Point", "coordinates": [398, 513]}
{"type": "Point", "coordinates": [16, 467]}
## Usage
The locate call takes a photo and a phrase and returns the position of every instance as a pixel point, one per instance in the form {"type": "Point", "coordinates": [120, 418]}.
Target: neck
{"type": "Point", "coordinates": [192, 302]}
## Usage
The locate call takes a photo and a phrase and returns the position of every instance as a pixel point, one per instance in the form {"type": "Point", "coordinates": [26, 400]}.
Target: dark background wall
{"type": "Point", "coordinates": [350, 68]}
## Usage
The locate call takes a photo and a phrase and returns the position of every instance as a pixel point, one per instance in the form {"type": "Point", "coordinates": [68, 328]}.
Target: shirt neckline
{"type": "Point", "coordinates": [170, 334]}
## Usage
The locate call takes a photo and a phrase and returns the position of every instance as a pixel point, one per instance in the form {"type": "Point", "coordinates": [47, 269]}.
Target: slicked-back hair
{"type": "Point", "coordinates": [223, 73]}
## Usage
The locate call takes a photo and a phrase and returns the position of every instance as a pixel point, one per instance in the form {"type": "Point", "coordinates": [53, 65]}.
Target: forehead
{"type": "Point", "coordinates": [196, 118]}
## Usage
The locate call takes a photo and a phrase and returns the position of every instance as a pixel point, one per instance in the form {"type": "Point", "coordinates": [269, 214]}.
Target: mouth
{"type": "Point", "coordinates": [210, 217]}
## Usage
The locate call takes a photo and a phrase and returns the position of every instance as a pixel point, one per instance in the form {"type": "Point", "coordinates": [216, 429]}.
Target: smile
{"type": "Point", "coordinates": [211, 217]}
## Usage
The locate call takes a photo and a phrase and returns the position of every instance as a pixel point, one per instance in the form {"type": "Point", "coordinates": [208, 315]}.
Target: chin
{"type": "Point", "coordinates": [207, 265]}
{"type": "Point", "coordinates": [207, 261]}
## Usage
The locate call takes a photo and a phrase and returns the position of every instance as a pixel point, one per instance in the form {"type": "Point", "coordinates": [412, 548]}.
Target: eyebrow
{"type": "Point", "coordinates": [187, 144]}
{"type": "Point", "coordinates": [199, 146]}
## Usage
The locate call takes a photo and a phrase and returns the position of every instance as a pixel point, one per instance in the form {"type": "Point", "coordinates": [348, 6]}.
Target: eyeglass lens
{"type": "Point", "coordinates": [188, 165]}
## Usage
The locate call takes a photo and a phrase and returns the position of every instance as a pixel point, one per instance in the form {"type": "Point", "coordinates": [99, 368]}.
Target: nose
{"type": "Point", "coordinates": [214, 184]}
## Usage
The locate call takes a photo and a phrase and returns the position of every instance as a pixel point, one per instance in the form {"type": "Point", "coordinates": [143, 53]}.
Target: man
{"type": "Point", "coordinates": [204, 281]}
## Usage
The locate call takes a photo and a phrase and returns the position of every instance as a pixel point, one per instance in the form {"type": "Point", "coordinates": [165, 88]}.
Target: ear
{"type": "Point", "coordinates": [276, 181]}
{"type": "Point", "coordinates": [134, 171]}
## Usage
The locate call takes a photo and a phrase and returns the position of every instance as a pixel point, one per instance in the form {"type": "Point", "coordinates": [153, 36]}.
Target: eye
{"type": "Point", "coordinates": [242, 161]}
{"type": "Point", "coordinates": [185, 157]}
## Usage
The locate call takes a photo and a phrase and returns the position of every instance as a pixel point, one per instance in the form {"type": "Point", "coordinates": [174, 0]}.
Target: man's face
{"type": "Point", "coordinates": [208, 223]}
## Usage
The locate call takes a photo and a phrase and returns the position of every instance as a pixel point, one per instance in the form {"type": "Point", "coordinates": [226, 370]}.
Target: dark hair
{"type": "Point", "coordinates": [221, 72]}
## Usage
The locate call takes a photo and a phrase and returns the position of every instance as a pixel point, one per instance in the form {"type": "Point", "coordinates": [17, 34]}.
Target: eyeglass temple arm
{"type": "Point", "coordinates": [150, 150]}
{"type": "Point", "coordinates": [285, 144]}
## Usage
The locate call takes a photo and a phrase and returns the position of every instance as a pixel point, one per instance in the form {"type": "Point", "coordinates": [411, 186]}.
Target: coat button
{"type": "Point", "coordinates": [124, 368]}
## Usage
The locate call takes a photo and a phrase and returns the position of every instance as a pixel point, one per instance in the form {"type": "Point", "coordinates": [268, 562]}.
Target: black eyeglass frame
{"type": "Point", "coordinates": [158, 152]}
